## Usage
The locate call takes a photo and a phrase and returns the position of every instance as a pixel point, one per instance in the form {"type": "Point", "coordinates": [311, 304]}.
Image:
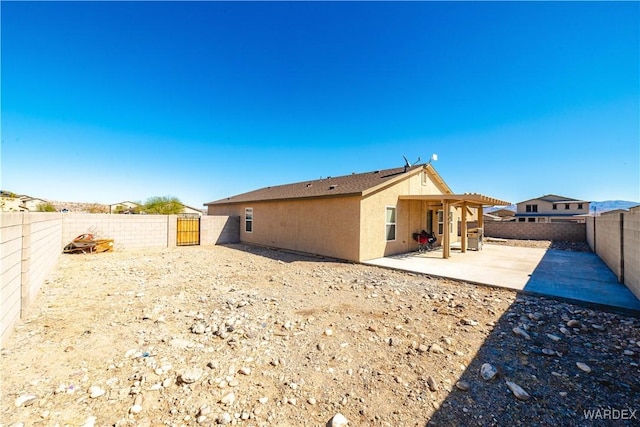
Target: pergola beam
{"type": "Point", "coordinates": [469, 200]}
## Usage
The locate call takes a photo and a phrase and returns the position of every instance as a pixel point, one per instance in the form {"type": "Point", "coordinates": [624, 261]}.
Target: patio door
{"type": "Point", "coordinates": [429, 221]}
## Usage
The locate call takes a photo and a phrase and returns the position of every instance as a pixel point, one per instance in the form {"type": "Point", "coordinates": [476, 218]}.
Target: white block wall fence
{"type": "Point", "coordinates": [615, 238]}
{"type": "Point", "coordinates": [31, 243]}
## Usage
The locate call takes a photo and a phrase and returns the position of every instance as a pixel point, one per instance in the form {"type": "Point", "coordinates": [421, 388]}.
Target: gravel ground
{"type": "Point", "coordinates": [239, 335]}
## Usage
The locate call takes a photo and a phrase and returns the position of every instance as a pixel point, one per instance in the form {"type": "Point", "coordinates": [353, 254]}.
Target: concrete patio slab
{"type": "Point", "coordinates": [578, 277]}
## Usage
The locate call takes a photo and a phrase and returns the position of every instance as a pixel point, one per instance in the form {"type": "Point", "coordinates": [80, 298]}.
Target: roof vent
{"type": "Point", "coordinates": [376, 171]}
{"type": "Point", "coordinates": [309, 185]}
{"type": "Point", "coordinates": [332, 187]}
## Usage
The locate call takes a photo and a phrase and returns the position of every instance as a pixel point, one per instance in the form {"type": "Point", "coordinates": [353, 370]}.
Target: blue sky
{"type": "Point", "coordinates": [112, 101]}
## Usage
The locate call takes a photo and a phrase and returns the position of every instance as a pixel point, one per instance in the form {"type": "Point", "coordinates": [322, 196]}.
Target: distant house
{"type": "Point", "coordinates": [491, 217]}
{"type": "Point", "coordinates": [20, 203]}
{"type": "Point", "coordinates": [552, 208]}
{"type": "Point", "coordinates": [134, 208]}
{"type": "Point", "coordinates": [125, 207]}
{"type": "Point", "coordinates": [356, 217]}
{"type": "Point", "coordinates": [504, 214]}
{"type": "Point", "coordinates": [191, 211]}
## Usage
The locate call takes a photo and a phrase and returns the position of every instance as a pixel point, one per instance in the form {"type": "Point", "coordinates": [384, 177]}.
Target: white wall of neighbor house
{"type": "Point", "coordinates": [547, 207]}
{"type": "Point", "coordinates": [31, 244]}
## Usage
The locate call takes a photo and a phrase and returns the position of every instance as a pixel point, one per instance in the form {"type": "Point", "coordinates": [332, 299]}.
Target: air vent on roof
{"type": "Point", "coordinates": [332, 187]}
{"type": "Point", "coordinates": [376, 171]}
{"type": "Point", "coordinates": [309, 185]}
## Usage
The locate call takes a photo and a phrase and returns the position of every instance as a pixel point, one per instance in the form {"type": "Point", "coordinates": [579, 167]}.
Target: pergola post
{"type": "Point", "coordinates": [480, 217]}
{"type": "Point", "coordinates": [446, 234]}
{"type": "Point", "coordinates": [463, 231]}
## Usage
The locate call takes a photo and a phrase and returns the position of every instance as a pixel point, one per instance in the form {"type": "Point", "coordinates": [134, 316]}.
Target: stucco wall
{"type": "Point", "coordinates": [217, 230]}
{"type": "Point", "coordinates": [411, 218]}
{"type": "Point", "coordinates": [322, 226]}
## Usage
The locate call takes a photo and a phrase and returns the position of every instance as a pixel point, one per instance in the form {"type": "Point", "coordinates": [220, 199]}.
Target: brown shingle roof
{"type": "Point", "coordinates": [354, 184]}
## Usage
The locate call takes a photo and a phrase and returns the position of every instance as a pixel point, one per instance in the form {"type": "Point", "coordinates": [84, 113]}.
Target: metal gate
{"type": "Point", "coordinates": [188, 233]}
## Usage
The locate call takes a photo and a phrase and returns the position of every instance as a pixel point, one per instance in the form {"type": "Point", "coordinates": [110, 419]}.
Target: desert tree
{"type": "Point", "coordinates": [163, 205]}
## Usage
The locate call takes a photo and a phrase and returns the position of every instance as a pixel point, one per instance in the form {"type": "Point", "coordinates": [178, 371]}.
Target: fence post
{"type": "Point", "coordinates": [172, 231]}
{"type": "Point", "coordinates": [594, 235]}
{"type": "Point", "coordinates": [25, 263]}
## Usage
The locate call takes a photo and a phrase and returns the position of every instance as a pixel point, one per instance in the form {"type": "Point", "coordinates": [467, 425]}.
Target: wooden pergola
{"type": "Point", "coordinates": [465, 201]}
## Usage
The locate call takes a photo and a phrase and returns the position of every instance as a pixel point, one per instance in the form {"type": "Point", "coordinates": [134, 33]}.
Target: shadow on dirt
{"type": "Point", "coordinates": [540, 345]}
{"type": "Point", "coordinates": [282, 255]}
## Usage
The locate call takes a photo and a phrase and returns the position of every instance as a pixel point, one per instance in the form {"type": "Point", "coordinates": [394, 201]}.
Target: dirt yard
{"type": "Point", "coordinates": [239, 335]}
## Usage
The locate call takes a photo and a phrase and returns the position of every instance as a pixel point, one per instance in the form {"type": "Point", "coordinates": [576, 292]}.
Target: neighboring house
{"type": "Point", "coordinates": [356, 217]}
{"type": "Point", "coordinates": [132, 207]}
{"type": "Point", "coordinates": [190, 211]}
{"type": "Point", "coordinates": [32, 203]}
{"type": "Point", "coordinates": [504, 214]}
{"type": "Point", "coordinates": [124, 208]}
{"type": "Point", "coordinates": [20, 203]}
{"type": "Point", "coordinates": [491, 217]}
{"type": "Point", "coordinates": [552, 208]}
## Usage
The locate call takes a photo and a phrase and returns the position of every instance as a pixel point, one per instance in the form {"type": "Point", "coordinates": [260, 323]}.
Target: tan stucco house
{"type": "Point", "coordinates": [355, 217]}
{"type": "Point", "coordinates": [125, 207]}
{"type": "Point", "coordinates": [20, 203]}
{"type": "Point", "coordinates": [552, 208]}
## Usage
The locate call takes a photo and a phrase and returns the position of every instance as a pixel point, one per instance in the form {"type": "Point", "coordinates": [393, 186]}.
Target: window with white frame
{"type": "Point", "coordinates": [390, 223]}
{"type": "Point", "coordinates": [248, 220]}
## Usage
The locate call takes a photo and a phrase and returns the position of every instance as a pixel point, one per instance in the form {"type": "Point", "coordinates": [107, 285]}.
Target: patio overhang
{"type": "Point", "coordinates": [470, 199]}
{"type": "Point", "coordinates": [465, 201]}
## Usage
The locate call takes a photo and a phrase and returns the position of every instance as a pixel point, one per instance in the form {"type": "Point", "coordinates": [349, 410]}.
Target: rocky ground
{"type": "Point", "coordinates": [239, 335]}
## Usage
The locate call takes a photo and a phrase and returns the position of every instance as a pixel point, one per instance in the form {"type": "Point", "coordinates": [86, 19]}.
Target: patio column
{"type": "Point", "coordinates": [463, 231]}
{"type": "Point", "coordinates": [446, 235]}
{"type": "Point", "coordinates": [480, 217]}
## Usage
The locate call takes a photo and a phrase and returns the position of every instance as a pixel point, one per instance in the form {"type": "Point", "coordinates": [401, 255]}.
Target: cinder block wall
{"type": "Point", "coordinates": [31, 244]}
{"type": "Point", "coordinates": [128, 231]}
{"type": "Point", "coordinates": [561, 231]}
{"type": "Point", "coordinates": [11, 265]}
{"type": "Point", "coordinates": [591, 232]}
{"type": "Point", "coordinates": [218, 229]}
{"type": "Point", "coordinates": [29, 249]}
{"type": "Point", "coordinates": [608, 240]}
{"type": "Point", "coordinates": [42, 233]}
{"type": "Point", "coordinates": [632, 250]}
